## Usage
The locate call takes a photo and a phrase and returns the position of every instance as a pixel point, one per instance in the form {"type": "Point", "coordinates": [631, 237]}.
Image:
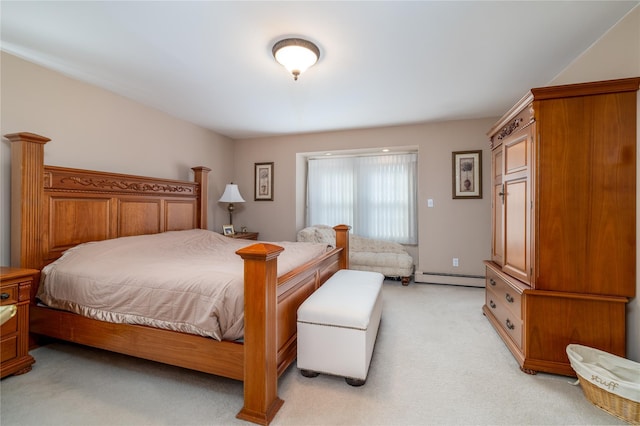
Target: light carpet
{"type": "Point", "coordinates": [437, 361]}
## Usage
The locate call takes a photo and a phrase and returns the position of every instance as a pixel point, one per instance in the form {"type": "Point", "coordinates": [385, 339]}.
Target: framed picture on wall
{"type": "Point", "coordinates": [263, 186]}
{"type": "Point", "coordinates": [467, 174]}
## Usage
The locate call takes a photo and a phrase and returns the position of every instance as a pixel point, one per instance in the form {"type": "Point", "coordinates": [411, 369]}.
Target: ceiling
{"type": "Point", "coordinates": [381, 63]}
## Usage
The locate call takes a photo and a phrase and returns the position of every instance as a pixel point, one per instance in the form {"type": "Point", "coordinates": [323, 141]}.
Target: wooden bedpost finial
{"type": "Point", "coordinates": [27, 136]}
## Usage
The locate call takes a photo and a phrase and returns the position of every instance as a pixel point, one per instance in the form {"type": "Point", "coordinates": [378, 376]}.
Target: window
{"type": "Point", "coordinates": [374, 194]}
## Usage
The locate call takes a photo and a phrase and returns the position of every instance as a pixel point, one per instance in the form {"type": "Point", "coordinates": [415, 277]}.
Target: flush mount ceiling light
{"type": "Point", "coordinates": [296, 55]}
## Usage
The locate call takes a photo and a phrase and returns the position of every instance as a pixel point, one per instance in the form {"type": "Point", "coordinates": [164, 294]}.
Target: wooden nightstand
{"type": "Point", "coordinates": [15, 289]}
{"type": "Point", "coordinates": [245, 235]}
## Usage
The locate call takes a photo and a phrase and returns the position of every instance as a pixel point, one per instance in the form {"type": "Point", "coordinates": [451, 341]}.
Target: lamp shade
{"type": "Point", "coordinates": [231, 194]}
{"type": "Point", "coordinates": [296, 55]}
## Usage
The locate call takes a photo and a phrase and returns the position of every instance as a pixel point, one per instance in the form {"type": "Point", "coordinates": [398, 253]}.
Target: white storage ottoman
{"type": "Point", "coordinates": [338, 325]}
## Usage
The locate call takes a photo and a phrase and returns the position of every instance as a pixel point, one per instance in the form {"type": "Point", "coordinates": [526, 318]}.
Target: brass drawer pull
{"type": "Point", "coordinates": [509, 298]}
{"type": "Point", "coordinates": [492, 304]}
{"type": "Point", "coordinates": [510, 325]}
{"type": "Point", "coordinates": [492, 281]}
{"type": "Point", "coordinates": [4, 296]}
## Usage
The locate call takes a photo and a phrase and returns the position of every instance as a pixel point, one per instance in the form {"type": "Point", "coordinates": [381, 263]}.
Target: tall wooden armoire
{"type": "Point", "coordinates": [563, 192]}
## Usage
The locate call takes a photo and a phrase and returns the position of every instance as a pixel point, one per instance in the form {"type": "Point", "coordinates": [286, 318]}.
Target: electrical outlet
{"type": "Point", "coordinates": [430, 202]}
{"type": "Point", "coordinates": [455, 262]}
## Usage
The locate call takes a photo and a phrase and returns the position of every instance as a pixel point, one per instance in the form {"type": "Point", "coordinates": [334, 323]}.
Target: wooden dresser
{"type": "Point", "coordinates": [563, 262]}
{"type": "Point", "coordinates": [15, 289]}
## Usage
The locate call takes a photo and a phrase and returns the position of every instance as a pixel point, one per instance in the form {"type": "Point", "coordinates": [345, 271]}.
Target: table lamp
{"type": "Point", "coordinates": [231, 195]}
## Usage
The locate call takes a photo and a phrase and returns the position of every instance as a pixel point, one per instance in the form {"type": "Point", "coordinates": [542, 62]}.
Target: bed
{"type": "Point", "coordinates": [55, 208]}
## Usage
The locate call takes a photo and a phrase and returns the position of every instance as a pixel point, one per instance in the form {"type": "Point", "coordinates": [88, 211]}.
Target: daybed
{"type": "Point", "coordinates": [56, 208]}
{"type": "Point", "coordinates": [366, 254]}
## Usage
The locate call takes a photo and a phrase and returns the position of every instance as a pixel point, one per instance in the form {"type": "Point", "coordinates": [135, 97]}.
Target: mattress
{"type": "Point", "coordinates": [189, 281]}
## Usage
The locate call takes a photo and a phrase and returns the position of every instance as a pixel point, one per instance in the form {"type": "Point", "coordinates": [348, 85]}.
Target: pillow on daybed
{"type": "Point", "coordinates": [325, 234]}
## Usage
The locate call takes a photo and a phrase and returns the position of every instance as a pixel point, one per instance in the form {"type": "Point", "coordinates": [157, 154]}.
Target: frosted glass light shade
{"type": "Point", "coordinates": [296, 55]}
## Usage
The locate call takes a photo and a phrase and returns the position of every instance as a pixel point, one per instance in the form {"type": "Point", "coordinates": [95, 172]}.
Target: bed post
{"type": "Point", "coordinates": [201, 177]}
{"type": "Point", "coordinates": [27, 193]}
{"type": "Point", "coordinates": [342, 241]}
{"type": "Point", "coordinates": [261, 402]}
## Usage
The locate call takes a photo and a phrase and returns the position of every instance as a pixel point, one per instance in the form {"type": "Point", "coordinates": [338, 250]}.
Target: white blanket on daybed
{"type": "Point", "coordinates": [189, 281]}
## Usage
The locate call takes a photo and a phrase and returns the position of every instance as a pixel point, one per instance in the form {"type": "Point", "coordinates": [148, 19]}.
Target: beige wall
{"type": "Point", "coordinates": [452, 228]}
{"type": "Point", "coordinates": [95, 129]}
{"type": "Point", "coordinates": [616, 55]}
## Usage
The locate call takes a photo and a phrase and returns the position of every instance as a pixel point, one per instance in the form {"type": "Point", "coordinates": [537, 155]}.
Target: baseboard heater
{"type": "Point", "coordinates": [452, 279]}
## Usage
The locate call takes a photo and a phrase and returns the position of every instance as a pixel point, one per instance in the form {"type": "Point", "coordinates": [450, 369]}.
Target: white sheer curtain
{"type": "Point", "coordinates": [376, 195]}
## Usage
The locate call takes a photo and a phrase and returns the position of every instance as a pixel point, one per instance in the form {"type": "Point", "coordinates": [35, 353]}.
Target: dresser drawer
{"type": "Point", "coordinates": [9, 348]}
{"type": "Point", "coordinates": [504, 293]}
{"type": "Point", "coordinates": [9, 294]}
{"type": "Point", "coordinates": [504, 302]}
{"type": "Point", "coordinates": [11, 326]}
{"type": "Point", "coordinates": [508, 321]}
{"type": "Point", "coordinates": [15, 292]}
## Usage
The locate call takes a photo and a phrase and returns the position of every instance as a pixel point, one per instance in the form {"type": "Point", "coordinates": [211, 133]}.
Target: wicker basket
{"type": "Point", "coordinates": [622, 408]}
{"type": "Point", "coordinates": [608, 381]}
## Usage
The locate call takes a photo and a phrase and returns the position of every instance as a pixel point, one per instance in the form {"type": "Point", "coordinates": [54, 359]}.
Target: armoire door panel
{"type": "Point", "coordinates": [516, 229]}
{"type": "Point", "coordinates": [497, 241]}
{"type": "Point", "coordinates": [516, 154]}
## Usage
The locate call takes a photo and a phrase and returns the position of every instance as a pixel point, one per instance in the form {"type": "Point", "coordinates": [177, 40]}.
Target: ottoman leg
{"type": "Point", "coordinates": [308, 373]}
{"type": "Point", "coordinates": [355, 382]}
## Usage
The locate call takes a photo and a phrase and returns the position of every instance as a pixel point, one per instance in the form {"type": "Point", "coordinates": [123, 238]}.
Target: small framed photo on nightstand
{"type": "Point", "coordinates": [227, 230]}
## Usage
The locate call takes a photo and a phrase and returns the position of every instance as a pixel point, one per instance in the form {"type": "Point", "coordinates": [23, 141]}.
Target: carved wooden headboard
{"type": "Point", "coordinates": [55, 208]}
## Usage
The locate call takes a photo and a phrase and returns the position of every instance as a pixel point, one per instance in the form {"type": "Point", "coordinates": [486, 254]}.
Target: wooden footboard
{"type": "Point", "coordinates": [55, 208]}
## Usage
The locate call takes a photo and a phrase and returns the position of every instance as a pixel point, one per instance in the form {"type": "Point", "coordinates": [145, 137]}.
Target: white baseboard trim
{"type": "Point", "coordinates": [451, 279]}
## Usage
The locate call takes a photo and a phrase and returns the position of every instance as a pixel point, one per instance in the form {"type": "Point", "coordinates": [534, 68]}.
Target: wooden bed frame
{"type": "Point", "coordinates": [55, 208]}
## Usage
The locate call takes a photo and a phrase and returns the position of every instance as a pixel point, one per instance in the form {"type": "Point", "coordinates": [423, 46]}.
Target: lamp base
{"type": "Point", "coordinates": [231, 208]}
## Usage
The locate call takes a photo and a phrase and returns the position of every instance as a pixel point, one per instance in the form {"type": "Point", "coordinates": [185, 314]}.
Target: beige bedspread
{"type": "Point", "coordinates": [189, 281]}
